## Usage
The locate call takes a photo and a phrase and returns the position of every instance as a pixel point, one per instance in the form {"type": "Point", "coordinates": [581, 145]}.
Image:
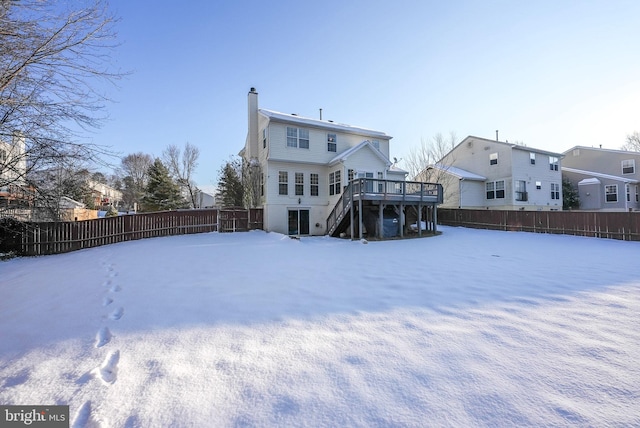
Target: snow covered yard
{"type": "Point", "coordinates": [469, 328]}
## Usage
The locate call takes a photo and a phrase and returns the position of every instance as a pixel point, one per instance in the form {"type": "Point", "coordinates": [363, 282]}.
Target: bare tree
{"type": "Point", "coordinates": [430, 152]}
{"type": "Point", "coordinates": [54, 56]}
{"type": "Point", "coordinates": [135, 174]}
{"type": "Point", "coordinates": [182, 166]}
{"type": "Point", "coordinates": [633, 142]}
{"type": "Point", "coordinates": [252, 182]}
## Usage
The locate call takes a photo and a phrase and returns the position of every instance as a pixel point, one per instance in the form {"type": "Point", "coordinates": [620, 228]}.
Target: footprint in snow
{"type": "Point", "coordinates": [103, 337]}
{"type": "Point", "coordinates": [117, 314]}
{"type": "Point", "coordinates": [107, 301]}
{"type": "Point", "coordinates": [115, 288]}
{"type": "Point", "coordinates": [108, 371]}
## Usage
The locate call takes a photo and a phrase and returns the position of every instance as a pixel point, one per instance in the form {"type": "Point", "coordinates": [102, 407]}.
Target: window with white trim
{"type": "Point", "coordinates": [350, 174]}
{"type": "Point", "coordinates": [338, 183]}
{"type": "Point", "coordinates": [314, 180]}
{"type": "Point", "coordinates": [555, 191]}
{"type": "Point", "coordinates": [611, 193]}
{"type": "Point", "coordinates": [493, 159]}
{"type": "Point", "coordinates": [538, 185]}
{"type": "Point", "coordinates": [264, 138]}
{"type": "Point", "coordinates": [629, 166]}
{"type": "Point", "coordinates": [553, 163]}
{"type": "Point", "coordinates": [3, 155]}
{"type": "Point", "coordinates": [532, 158]}
{"type": "Point", "coordinates": [628, 193]}
{"type": "Point", "coordinates": [521, 190]}
{"type": "Point", "coordinates": [332, 145]}
{"type": "Point", "coordinates": [262, 184]}
{"type": "Point", "coordinates": [299, 178]}
{"type": "Point", "coordinates": [297, 137]}
{"type": "Point", "coordinates": [283, 183]}
{"type": "Point", "coordinates": [495, 189]}
{"type": "Point", "coordinates": [332, 180]}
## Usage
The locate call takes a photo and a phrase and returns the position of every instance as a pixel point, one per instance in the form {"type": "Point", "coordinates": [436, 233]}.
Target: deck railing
{"type": "Point", "coordinates": [383, 190]}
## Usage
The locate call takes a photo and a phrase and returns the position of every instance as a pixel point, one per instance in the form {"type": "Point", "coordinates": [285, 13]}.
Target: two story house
{"type": "Point", "coordinates": [480, 173]}
{"type": "Point", "coordinates": [13, 170]}
{"type": "Point", "coordinates": [606, 179]}
{"type": "Point", "coordinates": [306, 163]}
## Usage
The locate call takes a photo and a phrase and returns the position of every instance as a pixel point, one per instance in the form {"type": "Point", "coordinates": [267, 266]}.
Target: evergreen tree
{"type": "Point", "coordinates": [570, 198]}
{"type": "Point", "coordinates": [230, 184]}
{"type": "Point", "coordinates": [161, 192]}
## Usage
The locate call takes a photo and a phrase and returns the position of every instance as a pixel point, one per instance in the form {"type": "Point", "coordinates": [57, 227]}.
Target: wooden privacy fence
{"type": "Point", "coordinates": [61, 237]}
{"type": "Point", "coordinates": [613, 225]}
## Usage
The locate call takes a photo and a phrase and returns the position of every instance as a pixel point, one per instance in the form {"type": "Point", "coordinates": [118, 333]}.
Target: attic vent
{"type": "Point", "coordinates": [330, 120]}
{"type": "Point", "coordinates": [487, 147]}
{"type": "Point", "coordinates": [294, 114]}
{"type": "Point", "coordinates": [470, 144]}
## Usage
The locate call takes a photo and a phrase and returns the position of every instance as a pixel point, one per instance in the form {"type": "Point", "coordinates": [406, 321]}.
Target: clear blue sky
{"type": "Point", "coordinates": [549, 74]}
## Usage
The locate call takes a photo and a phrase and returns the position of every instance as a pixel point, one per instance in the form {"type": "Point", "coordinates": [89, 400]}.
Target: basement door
{"type": "Point", "coordinates": [298, 222]}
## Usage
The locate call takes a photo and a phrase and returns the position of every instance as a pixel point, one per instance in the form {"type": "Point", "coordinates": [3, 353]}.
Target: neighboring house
{"type": "Point", "coordinates": [480, 173]}
{"type": "Point", "coordinates": [606, 179]}
{"type": "Point", "coordinates": [105, 195]}
{"type": "Point", "coordinates": [306, 163]}
{"type": "Point", "coordinates": [13, 169]}
{"type": "Point", "coordinates": [205, 199]}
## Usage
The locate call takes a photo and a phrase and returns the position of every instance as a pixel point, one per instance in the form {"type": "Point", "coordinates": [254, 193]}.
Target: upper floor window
{"type": "Point", "coordinates": [532, 158]}
{"type": "Point", "coordinates": [493, 159]}
{"type": "Point", "coordinates": [264, 138]}
{"type": "Point", "coordinates": [611, 193]}
{"type": "Point", "coordinates": [553, 163]}
{"type": "Point", "coordinates": [332, 146]}
{"type": "Point", "coordinates": [297, 137]}
{"type": "Point", "coordinates": [538, 185]}
{"type": "Point", "coordinates": [629, 166]}
{"type": "Point", "coordinates": [3, 156]}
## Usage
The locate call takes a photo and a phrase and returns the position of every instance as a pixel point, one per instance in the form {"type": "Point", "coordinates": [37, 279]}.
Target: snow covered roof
{"type": "Point", "coordinates": [325, 124]}
{"type": "Point", "coordinates": [587, 181]}
{"type": "Point", "coordinates": [366, 143]}
{"type": "Point", "coordinates": [512, 145]}
{"type": "Point", "coordinates": [600, 149]}
{"type": "Point", "coordinates": [599, 175]}
{"type": "Point", "coordinates": [458, 172]}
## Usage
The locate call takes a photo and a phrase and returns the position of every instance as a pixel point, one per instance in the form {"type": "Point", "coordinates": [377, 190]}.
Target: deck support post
{"type": "Point", "coordinates": [351, 208]}
{"type": "Point", "coordinates": [360, 216]}
{"type": "Point", "coordinates": [420, 220]}
{"type": "Point", "coordinates": [401, 220]}
{"type": "Point", "coordinates": [380, 221]}
{"type": "Point", "coordinates": [435, 219]}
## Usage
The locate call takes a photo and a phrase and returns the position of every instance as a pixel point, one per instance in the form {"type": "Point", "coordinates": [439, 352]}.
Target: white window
{"type": "Point", "coordinates": [521, 190]}
{"type": "Point", "coordinates": [629, 166]}
{"type": "Point", "coordinates": [332, 145]}
{"type": "Point", "coordinates": [538, 185]}
{"type": "Point", "coordinates": [350, 174]}
{"type": "Point", "coordinates": [297, 137]}
{"type": "Point", "coordinates": [628, 193]}
{"type": "Point", "coordinates": [262, 184]}
{"type": "Point", "coordinates": [334, 183]}
{"type": "Point", "coordinates": [299, 177]}
{"type": "Point", "coordinates": [264, 138]}
{"type": "Point", "coordinates": [532, 158]}
{"type": "Point", "coordinates": [553, 163]}
{"type": "Point", "coordinates": [380, 183]}
{"type": "Point", "coordinates": [495, 189]}
{"type": "Point", "coordinates": [314, 180]}
{"type": "Point", "coordinates": [283, 183]}
{"type": "Point", "coordinates": [493, 159]}
{"type": "Point", "coordinates": [338, 183]}
{"type": "Point", "coordinates": [611, 193]}
{"type": "Point", "coordinates": [555, 191]}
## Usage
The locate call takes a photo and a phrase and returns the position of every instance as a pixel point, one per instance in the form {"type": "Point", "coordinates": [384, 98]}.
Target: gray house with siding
{"type": "Point", "coordinates": [480, 173]}
{"type": "Point", "coordinates": [605, 179]}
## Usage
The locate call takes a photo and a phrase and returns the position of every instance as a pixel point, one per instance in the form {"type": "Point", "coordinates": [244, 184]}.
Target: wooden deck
{"type": "Point", "coordinates": [367, 193]}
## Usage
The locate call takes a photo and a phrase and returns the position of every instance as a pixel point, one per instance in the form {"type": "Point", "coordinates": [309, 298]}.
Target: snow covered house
{"type": "Point", "coordinates": [606, 179]}
{"type": "Point", "coordinates": [306, 164]}
{"type": "Point", "coordinates": [480, 173]}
